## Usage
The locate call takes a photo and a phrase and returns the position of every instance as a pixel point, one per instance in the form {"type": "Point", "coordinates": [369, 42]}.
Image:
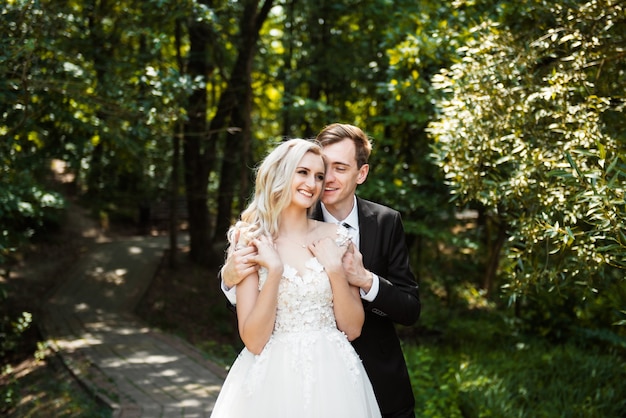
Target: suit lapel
{"type": "Point", "coordinates": [367, 231]}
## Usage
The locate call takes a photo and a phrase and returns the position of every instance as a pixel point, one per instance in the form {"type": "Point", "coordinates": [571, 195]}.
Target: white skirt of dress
{"type": "Point", "coordinates": [298, 375]}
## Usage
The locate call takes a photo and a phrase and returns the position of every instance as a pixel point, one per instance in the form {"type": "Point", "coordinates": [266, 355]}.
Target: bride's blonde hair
{"type": "Point", "coordinates": [272, 192]}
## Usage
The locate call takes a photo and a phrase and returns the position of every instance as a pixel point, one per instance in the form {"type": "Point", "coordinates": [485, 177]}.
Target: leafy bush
{"type": "Point", "coordinates": [10, 333]}
{"type": "Point", "coordinates": [531, 130]}
{"type": "Point", "coordinates": [25, 207]}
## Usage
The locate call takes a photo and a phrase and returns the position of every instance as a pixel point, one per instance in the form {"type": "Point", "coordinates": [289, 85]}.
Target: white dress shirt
{"type": "Point", "coordinates": [352, 220]}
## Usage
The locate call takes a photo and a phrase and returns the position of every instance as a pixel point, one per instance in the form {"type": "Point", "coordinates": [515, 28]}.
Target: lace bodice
{"type": "Point", "coordinates": [307, 357]}
{"type": "Point", "coordinates": [305, 302]}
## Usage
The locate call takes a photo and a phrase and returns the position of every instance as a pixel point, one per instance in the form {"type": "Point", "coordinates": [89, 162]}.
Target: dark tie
{"type": "Point", "coordinates": [352, 234]}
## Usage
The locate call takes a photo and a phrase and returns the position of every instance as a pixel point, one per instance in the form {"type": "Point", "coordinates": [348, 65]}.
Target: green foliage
{"type": "Point", "coordinates": [96, 87]}
{"type": "Point", "coordinates": [11, 330]}
{"type": "Point", "coordinates": [221, 354]}
{"type": "Point", "coordinates": [424, 38]}
{"type": "Point", "coordinates": [526, 120]}
{"type": "Point", "coordinates": [480, 369]}
{"type": "Point", "coordinates": [527, 128]}
{"type": "Point", "coordinates": [25, 207]}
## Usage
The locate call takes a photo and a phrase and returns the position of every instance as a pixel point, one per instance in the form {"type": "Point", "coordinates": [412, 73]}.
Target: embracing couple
{"type": "Point", "coordinates": [318, 277]}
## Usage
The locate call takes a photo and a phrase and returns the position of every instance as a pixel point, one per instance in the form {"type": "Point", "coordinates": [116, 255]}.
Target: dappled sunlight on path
{"type": "Point", "coordinates": [139, 372]}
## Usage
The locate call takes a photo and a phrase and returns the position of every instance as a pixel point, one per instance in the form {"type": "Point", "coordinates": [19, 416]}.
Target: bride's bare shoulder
{"type": "Point", "coordinates": [326, 229]}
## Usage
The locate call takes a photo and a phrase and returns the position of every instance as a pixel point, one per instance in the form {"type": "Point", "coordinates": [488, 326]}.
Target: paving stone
{"type": "Point", "coordinates": [137, 371]}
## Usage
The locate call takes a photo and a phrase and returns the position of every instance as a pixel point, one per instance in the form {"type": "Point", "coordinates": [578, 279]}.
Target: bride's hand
{"type": "Point", "coordinates": [328, 253]}
{"type": "Point", "coordinates": [266, 256]}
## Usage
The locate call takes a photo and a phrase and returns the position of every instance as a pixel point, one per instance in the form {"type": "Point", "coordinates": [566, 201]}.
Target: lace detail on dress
{"type": "Point", "coordinates": [343, 236]}
{"type": "Point", "coordinates": [305, 302]}
{"type": "Point", "coordinates": [304, 317]}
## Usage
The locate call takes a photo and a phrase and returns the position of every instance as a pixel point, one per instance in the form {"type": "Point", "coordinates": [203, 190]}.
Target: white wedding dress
{"type": "Point", "coordinates": [308, 367]}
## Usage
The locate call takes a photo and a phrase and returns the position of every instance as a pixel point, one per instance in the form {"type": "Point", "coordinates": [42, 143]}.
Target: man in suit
{"type": "Point", "coordinates": [379, 266]}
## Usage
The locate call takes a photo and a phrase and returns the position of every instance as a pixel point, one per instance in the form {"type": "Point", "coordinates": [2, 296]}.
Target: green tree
{"type": "Point", "coordinates": [531, 129]}
{"type": "Point", "coordinates": [26, 205]}
{"type": "Point", "coordinates": [232, 107]}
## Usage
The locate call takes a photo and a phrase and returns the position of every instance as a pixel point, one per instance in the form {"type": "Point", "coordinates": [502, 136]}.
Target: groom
{"type": "Point", "coordinates": [380, 268]}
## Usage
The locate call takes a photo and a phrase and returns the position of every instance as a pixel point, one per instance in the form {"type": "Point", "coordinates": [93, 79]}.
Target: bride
{"type": "Point", "coordinates": [298, 315]}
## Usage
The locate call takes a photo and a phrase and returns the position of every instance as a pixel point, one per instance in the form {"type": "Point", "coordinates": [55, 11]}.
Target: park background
{"type": "Point", "coordinates": [498, 130]}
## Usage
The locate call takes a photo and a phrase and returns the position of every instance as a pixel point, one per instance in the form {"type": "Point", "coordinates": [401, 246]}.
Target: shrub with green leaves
{"type": "Point", "coordinates": [531, 129]}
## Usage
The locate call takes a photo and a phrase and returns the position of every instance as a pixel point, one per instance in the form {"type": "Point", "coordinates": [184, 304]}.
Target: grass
{"type": "Point", "coordinates": [516, 378]}
{"type": "Point", "coordinates": [481, 366]}
{"type": "Point", "coordinates": [34, 381]}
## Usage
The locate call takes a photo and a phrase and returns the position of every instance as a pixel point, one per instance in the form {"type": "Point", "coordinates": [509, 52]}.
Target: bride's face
{"type": "Point", "coordinates": [308, 180]}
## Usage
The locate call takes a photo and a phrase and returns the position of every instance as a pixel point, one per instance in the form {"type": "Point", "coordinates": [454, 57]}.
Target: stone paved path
{"type": "Point", "coordinates": [137, 371]}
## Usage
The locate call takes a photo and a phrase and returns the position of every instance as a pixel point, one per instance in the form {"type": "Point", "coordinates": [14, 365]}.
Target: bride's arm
{"type": "Point", "coordinates": [347, 304]}
{"type": "Point", "coordinates": [256, 310]}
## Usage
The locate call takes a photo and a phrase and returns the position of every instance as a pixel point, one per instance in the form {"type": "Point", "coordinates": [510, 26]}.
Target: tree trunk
{"type": "Point", "coordinates": [174, 186]}
{"type": "Point", "coordinates": [231, 166]}
{"type": "Point", "coordinates": [235, 173]}
{"type": "Point", "coordinates": [241, 87]}
{"type": "Point", "coordinates": [175, 180]}
{"type": "Point", "coordinates": [494, 249]}
{"type": "Point", "coordinates": [195, 137]}
{"type": "Point", "coordinates": [96, 169]}
{"type": "Point", "coordinates": [200, 144]}
{"type": "Point", "coordinates": [101, 55]}
{"type": "Point", "coordinates": [320, 39]}
{"type": "Point", "coordinates": [287, 74]}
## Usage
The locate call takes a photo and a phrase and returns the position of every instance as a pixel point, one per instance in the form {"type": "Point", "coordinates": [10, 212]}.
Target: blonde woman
{"type": "Point", "coordinates": [298, 313]}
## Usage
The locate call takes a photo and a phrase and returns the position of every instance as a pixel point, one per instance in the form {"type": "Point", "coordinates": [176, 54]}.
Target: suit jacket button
{"type": "Point", "coordinates": [378, 312]}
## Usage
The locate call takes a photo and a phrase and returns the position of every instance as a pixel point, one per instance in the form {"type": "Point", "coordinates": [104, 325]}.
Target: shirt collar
{"type": "Point", "coordinates": [352, 219]}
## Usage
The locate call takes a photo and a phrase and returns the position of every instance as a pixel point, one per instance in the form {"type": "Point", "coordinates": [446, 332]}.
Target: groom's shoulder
{"type": "Point", "coordinates": [375, 207]}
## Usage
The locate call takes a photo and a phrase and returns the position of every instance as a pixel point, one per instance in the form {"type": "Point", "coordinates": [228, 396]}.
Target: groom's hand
{"type": "Point", "coordinates": [356, 273]}
{"type": "Point", "coordinates": [239, 265]}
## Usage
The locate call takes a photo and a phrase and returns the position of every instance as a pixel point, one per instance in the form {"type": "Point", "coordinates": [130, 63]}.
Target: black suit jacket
{"type": "Point", "coordinates": [383, 245]}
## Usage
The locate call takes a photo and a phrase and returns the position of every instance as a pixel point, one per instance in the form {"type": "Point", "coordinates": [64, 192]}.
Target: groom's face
{"type": "Point", "coordinates": [342, 175]}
